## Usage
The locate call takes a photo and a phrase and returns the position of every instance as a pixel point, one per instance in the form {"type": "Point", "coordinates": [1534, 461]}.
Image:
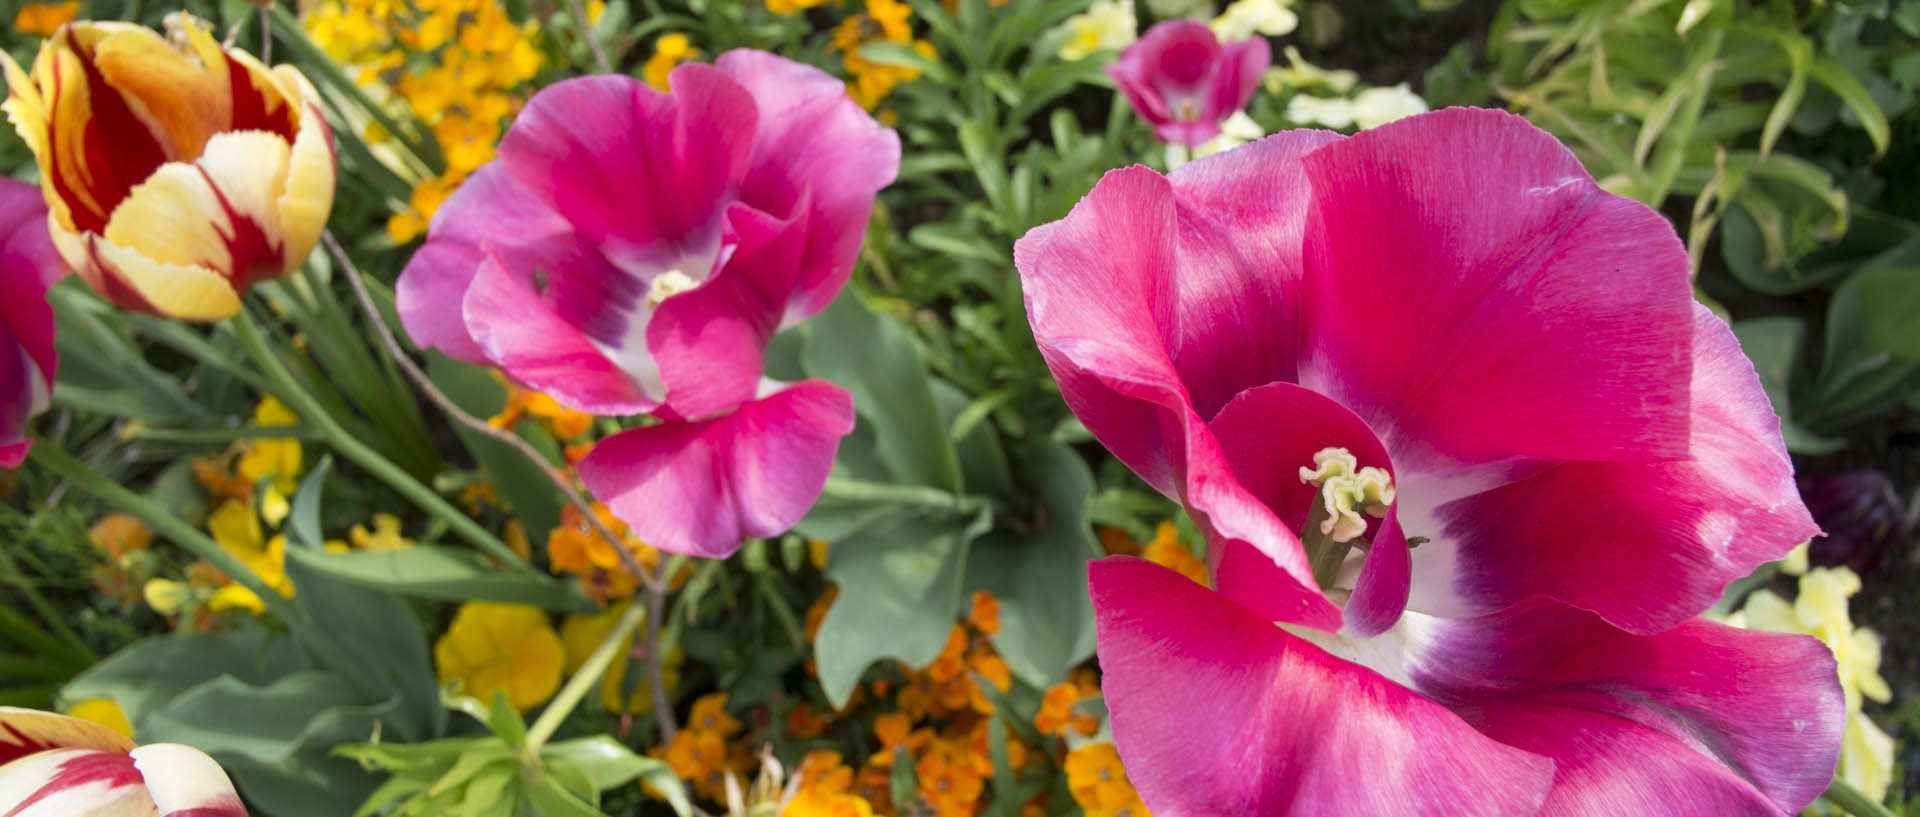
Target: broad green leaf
{"type": "Point", "coordinates": [900, 591]}
{"type": "Point", "coordinates": [605, 761]}
{"type": "Point", "coordinates": [1843, 84]}
{"type": "Point", "coordinates": [147, 675]}
{"type": "Point", "coordinates": [436, 572]}
{"type": "Point", "coordinates": [1774, 346]}
{"type": "Point", "coordinates": [551, 799]}
{"type": "Point", "coordinates": [1890, 297]}
{"type": "Point", "coordinates": [379, 632]}
{"type": "Point", "coordinates": [1040, 575]}
{"type": "Point", "coordinates": [875, 359]}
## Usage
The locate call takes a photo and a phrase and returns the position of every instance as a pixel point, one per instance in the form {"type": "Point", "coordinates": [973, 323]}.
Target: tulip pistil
{"type": "Point", "coordinates": [1334, 524]}
{"type": "Point", "coordinates": [668, 284]}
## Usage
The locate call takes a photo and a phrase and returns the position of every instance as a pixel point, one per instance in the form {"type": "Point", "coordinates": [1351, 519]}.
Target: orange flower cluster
{"type": "Point", "coordinates": [575, 546]}
{"type": "Point", "coordinates": [42, 19]}
{"type": "Point", "coordinates": [1056, 709]}
{"type": "Point", "coordinates": [827, 788]}
{"type": "Point", "coordinates": [127, 565]}
{"type": "Point", "coordinates": [884, 21]}
{"type": "Point", "coordinates": [565, 424]}
{"type": "Point", "coordinates": [1164, 549]}
{"type": "Point", "coordinates": [699, 753]}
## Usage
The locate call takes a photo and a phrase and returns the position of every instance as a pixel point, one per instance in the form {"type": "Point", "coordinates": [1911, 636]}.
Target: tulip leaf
{"type": "Point", "coordinates": [148, 674]}
{"type": "Point", "coordinates": [875, 359]}
{"type": "Point", "coordinates": [1039, 573]}
{"type": "Point", "coordinates": [900, 579]}
{"type": "Point", "coordinates": [438, 572]}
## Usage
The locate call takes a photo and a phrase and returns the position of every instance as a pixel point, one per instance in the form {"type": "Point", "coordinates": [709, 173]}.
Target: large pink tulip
{"type": "Point", "coordinates": [631, 252]}
{"type": "Point", "coordinates": [1185, 82]}
{"type": "Point", "coordinates": [57, 766]}
{"type": "Point", "coordinates": [28, 265]}
{"type": "Point", "coordinates": [1469, 458]}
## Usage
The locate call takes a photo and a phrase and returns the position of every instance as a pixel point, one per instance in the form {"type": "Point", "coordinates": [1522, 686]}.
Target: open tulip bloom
{"type": "Point", "coordinates": [57, 766]}
{"type": "Point", "coordinates": [632, 252]}
{"type": "Point", "coordinates": [27, 357]}
{"type": "Point", "coordinates": [1185, 82]}
{"type": "Point", "coordinates": [177, 177]}
{"type": "Point", "coordinates": [1469, 458]}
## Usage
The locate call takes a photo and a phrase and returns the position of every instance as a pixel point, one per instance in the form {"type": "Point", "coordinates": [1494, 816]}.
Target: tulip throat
{"type": "Point", "coordinates": [668, 284]}
{"type": "Point", "coordinates": [1334, 521]}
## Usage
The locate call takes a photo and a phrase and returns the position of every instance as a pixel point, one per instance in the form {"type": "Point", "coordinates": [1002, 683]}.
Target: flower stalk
{"type": "Point", "coordinates": [587, 678]}
{"type": "Point", "coordinates": [1853, 801]}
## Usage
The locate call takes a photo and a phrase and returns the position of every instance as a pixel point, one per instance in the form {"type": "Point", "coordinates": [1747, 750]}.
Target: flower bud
{"type": "Point", "coordinates": [1863, 518]}
{"type": "Point", "coordinates": [178, 173]}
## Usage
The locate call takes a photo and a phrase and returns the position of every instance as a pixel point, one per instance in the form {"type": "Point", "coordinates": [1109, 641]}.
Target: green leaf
{"type": "Point", "coordinates": [436, 572]}
{"type": "Point", "coordinates": [1774, 346]}
{"type": "Point", "coordinates": [550, 799]}
{"type": "Point", "coordinates": [905, 56]}
{"type": "Point", "coordinates": [875, 359]}
{"type": "Point", "coordinates": [523, 484]}
{"type": "Point", "coordinates": [1843, 84]}
{"type": "Point", "coordinates": [900, 591]}
{"type": "Point", "coordinates": [149, 674]}
{"type": "Point", "coordinates": [1040, 575]}
{"type": "Point", "coordinates": [1890, 297]}
{"type": "Point", "coordinates": [605, 761]}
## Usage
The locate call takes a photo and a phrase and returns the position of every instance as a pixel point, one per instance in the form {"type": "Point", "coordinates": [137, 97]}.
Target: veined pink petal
{"type": "Point", "coordinates": [1236, 76]}
{"type": "Point", "coordinates": [1476, 297]}
{"type": "Point", "coordinates": [73, 781]}
{"type": "Point", "coordinates": [710, 342]}
{"type": "Point", "coordinates": [703, 487]}
{"type": "Point", "coordinates": [1700, 719]}
{"type": "Point", "coordinates": [184, 782]}
{"type": "Point", "coordinates": [1645, 545]}
{"type": "Point", "coordinates": [815, 151]}
{"type": "Point", "coordinates": [1185, 82]}
{"type": "Point", "coordinates": [488, 209]}
{"type": "Point", "coordinates": [515, 328]}
{"type": "Point", "coordinates": [1218, 712]}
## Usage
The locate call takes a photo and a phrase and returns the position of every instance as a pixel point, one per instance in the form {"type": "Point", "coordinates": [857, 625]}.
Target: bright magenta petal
{"type": "Point", "coordinates": [28, 264]}
{"type": "Point", "coordinates": [1645, 545]}
{"type": "Point", "coordinates": [1217, 712]}
{"type": "Point", "coordinates": [1700, 719]}
{"type": "Point", "coordinates": [1185, 82]}
{"type": "Point", "coordinates": [522, 335]}
{"type": "Point", "coordinates": [1475, 296]}
{"type": "Point", "coordinates": [710, 343]}
{"type": "Point", "coordinates": [703, 487]}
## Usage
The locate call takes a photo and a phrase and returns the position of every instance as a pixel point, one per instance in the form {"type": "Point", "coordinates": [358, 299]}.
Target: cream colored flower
{"type": "Point", "coordinates": [1374, 107]}
{"type": "Point", "coordinates": [1245, 18]}
{"type": "Point", "coordinates": [1107, 25]}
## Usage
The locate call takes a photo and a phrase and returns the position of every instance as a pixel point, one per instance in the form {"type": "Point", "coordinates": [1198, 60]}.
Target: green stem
{"type": "Point", "coordinates": [1323, 553]}
{"type": "Point", "coordinates": [1854, 801]}
{"type": "Point", "coordinates": [587, 678]}
{"type": "Point", "coordinates": [75, 646]}
{"type": "Point", "coordinates": [854, 490]}
{"type": "Point", "coordinates": [221, 436]}
{"type": "Point", "coordinates": [289, 390]}
{"type": "Point", "coordinates": [203, 547]}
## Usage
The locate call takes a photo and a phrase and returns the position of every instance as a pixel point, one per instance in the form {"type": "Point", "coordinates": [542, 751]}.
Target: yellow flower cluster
{"type": "Point", "coordinates": [478, 60]}
{"type": "Point", "coordinates": [576, 546]}
{"type": "Point", "coordinates": [668, 51]}
{"type": "Point", "coordinates": [1099, 783]}
{"type": "Point", "coordinates": [883, 21]}
{"type": "Point", "coordinates": [791, 6]}
{"type": "Point", "coordinates": [1820, 610]}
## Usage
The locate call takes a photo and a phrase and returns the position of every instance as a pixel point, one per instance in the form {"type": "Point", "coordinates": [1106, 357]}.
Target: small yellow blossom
{"type": "Point", "coordinates": [42, 19]}
{"type": "Point", "coordinates": [510, 648]}
{"type": "Point", "coordinates": [105, 712]}
{"type": "Point", "coordinates": [1166, 549]}
{"type": "Point", "coordinates": [275, 459]}
{"type": "Point", "coordinates": [1099, 783]}
{"type": "Point", "coordinates": [384, 536]}
{"type": "Point", "coordinates": [238, 531]}
{"type": "Point", "coordinates": [1300, 75]}
{"type": "Point", "coordinates": [668, 51]}
{"type": "Point", "coordinates": [166, 596]}
{"type": "Point", "coordinates": [1107, 25]}
{"type": "Point", "coordinates": [1245, 18]}
{"type": "Point", "coordinates": [791, 6]}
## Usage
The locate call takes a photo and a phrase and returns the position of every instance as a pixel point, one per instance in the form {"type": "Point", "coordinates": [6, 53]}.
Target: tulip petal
{"type": "Point", "coordinates": [219, 213]}
{"type": "Point", "coordinates": [1700, 719]}
{"type": "Point", "coordinates": [516, 329]}
{"type": "Point", "coordinates": [28, 264]}
{"type": "Point", "coordinates": [134, 281]}
{"type": "Point", "coordinates": [186, 99]}
{"type": "Point", "coordinates": [184, 782]}
{"type": "Point", "coordinates": [1278, 727]}
{"type": "Point", "coordinates": [99, 149]}
{"type": "Point", "coordinates": [752, 472]}
{"type": "Point", "coordinates": [26, 731]}
{"type": "Point", "coordinates": [489, 209]}
{"type": "Point", "coordinates": [1472, 294]}
{"type": "Point", "coordinates": [709, 343]}
{"type": "Point", "coordinates": [1644, 559]}
{"type": "Point", "coordinates": [308, 196]}
{"type": "Point", "coordinates": [68, 782]}
{"type": "Point", "coordinates": [815, 151]}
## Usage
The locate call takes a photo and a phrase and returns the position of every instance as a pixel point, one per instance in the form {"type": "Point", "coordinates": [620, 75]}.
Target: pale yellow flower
{"type": "Point", "coordinates": [1107, 25]}
{"type": "Point", "coordinates": [1245, 18]}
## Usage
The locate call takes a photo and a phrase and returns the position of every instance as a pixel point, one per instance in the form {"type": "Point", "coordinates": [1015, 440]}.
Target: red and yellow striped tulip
{"type": "Point", "coordinates": [178, 173]}
{"type": "Point", "coordinates": [59, 766]}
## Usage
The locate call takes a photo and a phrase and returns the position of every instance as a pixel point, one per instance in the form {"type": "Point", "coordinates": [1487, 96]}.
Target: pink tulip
{"type": "Point", "coordinates": [28, 265]}
{"type": "Point", "coordinates": [1580, 452]}
{"type": "Point", "coordinates": [1185, 82]}
{"type": "Point", "coordinates": [57, 766]}
{"type": "Point", "coordinates": [631, 252]}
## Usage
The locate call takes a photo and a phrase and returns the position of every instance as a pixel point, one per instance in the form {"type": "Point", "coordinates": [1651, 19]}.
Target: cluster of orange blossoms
{"type": "Point", "coordinates": [883, 21]}
{"type": "Point", "coordinates": [699, 752]}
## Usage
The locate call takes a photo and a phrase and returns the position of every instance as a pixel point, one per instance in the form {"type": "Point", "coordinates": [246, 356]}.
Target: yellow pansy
{"type": "Point", "coordinates": [277, 459]}
{"type": "Point", "coordinates": [509, 648]}
{"type": "Point", "coordinates": [384, 536]}
{"type": "Point", "coordinates": [668, 51]}
{"type": "Point", "coordinates": [105, 712]}
{"type": "Point", "coordinates": [237, 530]}
{"type": "Point", "coordinates": [791, 6]}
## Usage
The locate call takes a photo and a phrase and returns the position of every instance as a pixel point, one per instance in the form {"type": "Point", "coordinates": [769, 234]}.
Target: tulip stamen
{"type": "Point", "coordinates": [668, 284]}
{"type": "Point", "coordinates": [1334, 523]}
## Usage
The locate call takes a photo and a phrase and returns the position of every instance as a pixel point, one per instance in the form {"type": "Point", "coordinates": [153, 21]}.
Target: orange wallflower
{"type": "Point", "coordinates": [710, 715]}
{"type": "Point", "coordinates": [1166, 549]}
{"type": "Point", "coordinates": [1099, 783]}
{"type": "Point", "coordinates": [1056, 710]}
{"type": "Point", "coordinates": [42, 19]}
{"type": "Point", "coordinates": [985, 613]}
{"type": "Point", "coordinates": [802, 723]}
{"type": "Point", "coordinates": [700, 757]}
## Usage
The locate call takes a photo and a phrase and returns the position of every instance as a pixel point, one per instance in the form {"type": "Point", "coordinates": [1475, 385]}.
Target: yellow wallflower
{"type": "Point", "coordinates": [581, 635]}
{"type": "Point", "coordinates": [1820, 610]}
{"type": "Point", "coordinates": [668, 51]}
{"type": "Point", "coordinates": [1106, 25]}
{"type": "Point", "coordinates": [105, 712]}
{"type": "Point", "coordinates": [1099, 783]}
{"type": "Point", "coordinates": [41, 19]}
{"type": "Point", "coordinates": [791, 6]}
{"type": "Point", "coordinates": [272, 458]}
{"type": "Point", "coordinates": [508, 648]}
{"type": "Point", "coordinates": [237, 530]}
{"type": "Point", "coordinates": [384, 536]}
